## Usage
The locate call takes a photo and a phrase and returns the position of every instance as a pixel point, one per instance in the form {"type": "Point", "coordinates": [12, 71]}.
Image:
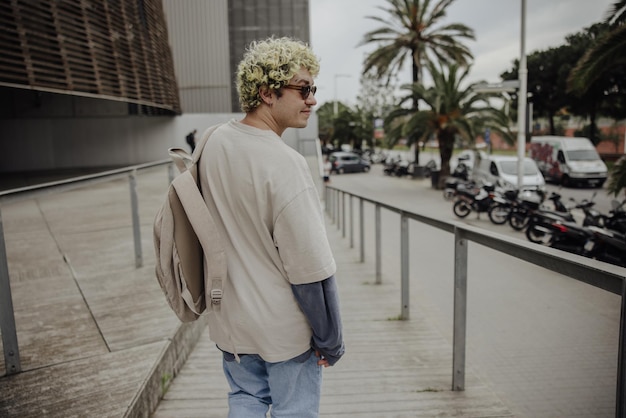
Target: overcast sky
{"type": "Point", "coordinates": [338, 26]}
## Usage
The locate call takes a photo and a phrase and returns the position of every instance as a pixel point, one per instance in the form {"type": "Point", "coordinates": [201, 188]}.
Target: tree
{"type": "Point", "coordinates": [452, 110]}
{"type": "Point", "coordinates": [610, 50]}
{"type": "Point", "coordinates": [547, 74]}
{"type": "Point", "coordinates": [411, 29]}
{"type": "Point", "coordinates": [600, 71]}
{"type": "Point", "coordinates": [549, 81]}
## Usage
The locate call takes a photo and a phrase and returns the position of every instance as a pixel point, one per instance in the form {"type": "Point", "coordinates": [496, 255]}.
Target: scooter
{"type": "Point", "coordinates": [543, 224]}
{"type": "Point", "coordinates": [616, 220]}
{"type": "Point", "coordinates": [554, 231]}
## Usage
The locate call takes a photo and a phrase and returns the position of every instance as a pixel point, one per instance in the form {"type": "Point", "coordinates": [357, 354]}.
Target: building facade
{"type": "Point", "coordinates": [100, 84]}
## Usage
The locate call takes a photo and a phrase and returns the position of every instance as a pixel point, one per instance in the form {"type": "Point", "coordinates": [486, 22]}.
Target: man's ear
{"type": "Point", "coordinates": [267, 95]}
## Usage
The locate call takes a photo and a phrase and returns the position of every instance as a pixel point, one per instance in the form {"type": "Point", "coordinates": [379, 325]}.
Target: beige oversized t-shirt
{"type": "Point", "coordinates": [265, 203]}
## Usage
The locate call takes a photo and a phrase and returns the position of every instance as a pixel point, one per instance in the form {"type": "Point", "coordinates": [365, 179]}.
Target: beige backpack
{"type": "Point", "coordinates": [190, 258]}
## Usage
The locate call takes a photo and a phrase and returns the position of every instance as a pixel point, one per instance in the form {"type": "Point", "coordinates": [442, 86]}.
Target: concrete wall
{"type": "Point", "coordinates": [89, 142]}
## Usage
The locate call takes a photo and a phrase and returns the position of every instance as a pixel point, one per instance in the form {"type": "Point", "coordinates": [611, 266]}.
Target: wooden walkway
{"type": "Point", "coordinates": [392, 368]}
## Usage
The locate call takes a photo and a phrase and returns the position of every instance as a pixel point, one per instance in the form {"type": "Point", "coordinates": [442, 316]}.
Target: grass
{"type": "Point", "coordinates": [429, 389]}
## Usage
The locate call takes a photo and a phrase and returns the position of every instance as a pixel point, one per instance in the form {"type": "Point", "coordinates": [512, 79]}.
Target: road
{"type": "Point", "coordinates": [546, 343]}
{"type": "Point", "coordinates": [600, 196]}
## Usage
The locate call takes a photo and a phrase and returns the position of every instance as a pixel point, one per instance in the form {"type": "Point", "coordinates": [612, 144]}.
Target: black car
{"type": "Point", "coordinates": [348, 162]}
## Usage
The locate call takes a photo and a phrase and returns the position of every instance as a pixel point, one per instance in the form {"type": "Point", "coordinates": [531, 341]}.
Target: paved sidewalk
{"type": "Point", "coordinates": [97, 338]}
{"type": "Point", "coordinates": [95, 334]}
{"type": "Point", "coordinates": [391, 368]}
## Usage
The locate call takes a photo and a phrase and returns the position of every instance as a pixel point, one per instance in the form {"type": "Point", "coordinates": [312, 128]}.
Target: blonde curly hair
{"type": "Point", "coordinates": [272, 63]}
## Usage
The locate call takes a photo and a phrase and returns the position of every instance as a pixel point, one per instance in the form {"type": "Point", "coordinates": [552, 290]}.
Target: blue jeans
{"type": "Point", "coordinates": [291, 387]}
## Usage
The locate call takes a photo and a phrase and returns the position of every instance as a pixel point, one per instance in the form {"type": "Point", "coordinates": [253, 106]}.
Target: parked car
{"type": "Point", "coordinates": [348, 162]}
{"type": "Point", "coordinates": [501, 170]}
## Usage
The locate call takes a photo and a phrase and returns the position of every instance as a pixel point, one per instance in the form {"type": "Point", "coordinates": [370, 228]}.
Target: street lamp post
{"type": "Point", "coordinates": [335, 107]}
{"type": "Point", "coordinates": [521, 101]}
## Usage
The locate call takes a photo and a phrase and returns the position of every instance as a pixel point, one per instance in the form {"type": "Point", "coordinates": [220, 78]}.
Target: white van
{"type": "Point", "coordinates": [501, 170]}
{"type": "Point", "coordinates": [568, 161]}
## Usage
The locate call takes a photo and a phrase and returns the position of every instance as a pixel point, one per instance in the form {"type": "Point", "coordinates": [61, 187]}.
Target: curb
{"type": "Point", "coordinates": [171, 359]}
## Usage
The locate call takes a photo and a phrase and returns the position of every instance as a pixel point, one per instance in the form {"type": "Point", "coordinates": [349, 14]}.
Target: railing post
{"type": "Point", "coordinates": [7, 316]}
{"type": "Point", "coordinates": [460, 311]}
{"type": "Point", "coordinates": [326, 193]}
{"type": "Point", "coordinates": [351, 222]}
{"type": "Point", "coordinates": [362, 230]}
{"type": "Point", "coordinates": [378, 238]}
{"type": "Point", "coordinates": [335, 199]}
{"type": "Point", "coordinates": [338, 209]}
{"type": "Point", "coordinates": [620, 399]}
{"type": "Point", "coordinates": [135, 215]}
{"type": "Point", "coordinates": [343, 214]}
{"type": "Point", "coordinates": [331, 204]}
{"type": "Point", "coordinates": [404, 260]}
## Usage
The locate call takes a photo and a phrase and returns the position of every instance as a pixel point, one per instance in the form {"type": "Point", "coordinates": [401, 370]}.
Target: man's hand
{"type": "Point", "coordinates": [322, 361]}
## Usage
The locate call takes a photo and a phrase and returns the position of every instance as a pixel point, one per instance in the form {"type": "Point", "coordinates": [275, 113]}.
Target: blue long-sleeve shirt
{"type": "Point", "coordinates": [319, 302]}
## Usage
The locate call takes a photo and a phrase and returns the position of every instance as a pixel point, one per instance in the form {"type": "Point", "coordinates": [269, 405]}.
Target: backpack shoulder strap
{"type": "Point", "coordinates": [209, 236]}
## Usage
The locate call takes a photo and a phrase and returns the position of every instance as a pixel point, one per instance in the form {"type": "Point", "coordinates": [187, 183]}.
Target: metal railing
{"type": "Point", "coordinates": [603, 276]}
{"type": "Point", "coordinates": [7, 316]}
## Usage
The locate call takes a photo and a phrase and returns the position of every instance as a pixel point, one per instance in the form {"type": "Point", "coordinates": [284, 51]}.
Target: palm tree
{"type": "Point", "coordinates": [412, 30]}
{"type": "Point", "coordinates": [609, 51]}
{"type": "Point", "coordinates": [452, 110]}
{"type": "Point", "coordinates": [617, 178]}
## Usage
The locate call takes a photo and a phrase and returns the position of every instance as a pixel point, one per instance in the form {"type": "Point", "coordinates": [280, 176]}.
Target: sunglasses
{"type": "Point", "coordinates": [305, 91]}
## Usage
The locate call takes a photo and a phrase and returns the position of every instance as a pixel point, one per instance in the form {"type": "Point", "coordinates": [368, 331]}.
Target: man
{"type": "Point", "coordinates": [278, 322]}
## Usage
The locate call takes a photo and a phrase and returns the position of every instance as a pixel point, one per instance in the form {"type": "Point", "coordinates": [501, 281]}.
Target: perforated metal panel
{"type": "Point", "coordinates": [109, 49]}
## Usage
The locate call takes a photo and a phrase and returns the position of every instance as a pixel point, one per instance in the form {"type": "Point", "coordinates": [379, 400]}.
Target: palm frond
{"type": "Point", "coordinates": [609, 50]}
{"type": "Point", "coordinates": [616, 13]}
{"type": "Point", "coordinates": [617, 177]}
{"type": "Point", "coordinates": [409, 28]}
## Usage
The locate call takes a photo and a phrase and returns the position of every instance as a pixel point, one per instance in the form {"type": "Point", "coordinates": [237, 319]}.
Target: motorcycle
{"type": "Point", "coordinates": [554, 231]}
{"type": "Point", "coordinates": [616, 220]}
{"type": "Point", "coordinates": [528, 202]}
{"type": "Point", "coordinates": [473, 198]}
{"type": "Point", "coordinates": [541, 224]}
{"type": "Point", "coordinates": [606, 245]}
{"type": "Point", "coordinates": [398, 168]}
{"type": "Point", "coordinates": [503, 204]}
{"type": "Point", "coordinates": [591, 241]}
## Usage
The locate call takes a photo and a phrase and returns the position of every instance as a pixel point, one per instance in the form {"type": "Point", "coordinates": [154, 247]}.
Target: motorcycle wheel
{"type": "Point", "coordinates": [538, 237]}
{"type": "Point", "coordinates": [518, 221]}
{"type": "Point", "coordinates": [461, 208]}
{"type": "Point", "coordinates": [499, 214]}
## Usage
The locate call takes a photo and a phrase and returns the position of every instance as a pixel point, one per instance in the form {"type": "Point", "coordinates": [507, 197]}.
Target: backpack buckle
{"type": "Point", "coordinates": [216, 296]}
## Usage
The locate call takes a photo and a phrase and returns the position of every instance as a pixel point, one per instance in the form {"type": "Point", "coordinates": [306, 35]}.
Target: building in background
{"type": "Point", "coordinates": [99, 84]}
{"type": "Point", "coordinates": [209, 38]}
